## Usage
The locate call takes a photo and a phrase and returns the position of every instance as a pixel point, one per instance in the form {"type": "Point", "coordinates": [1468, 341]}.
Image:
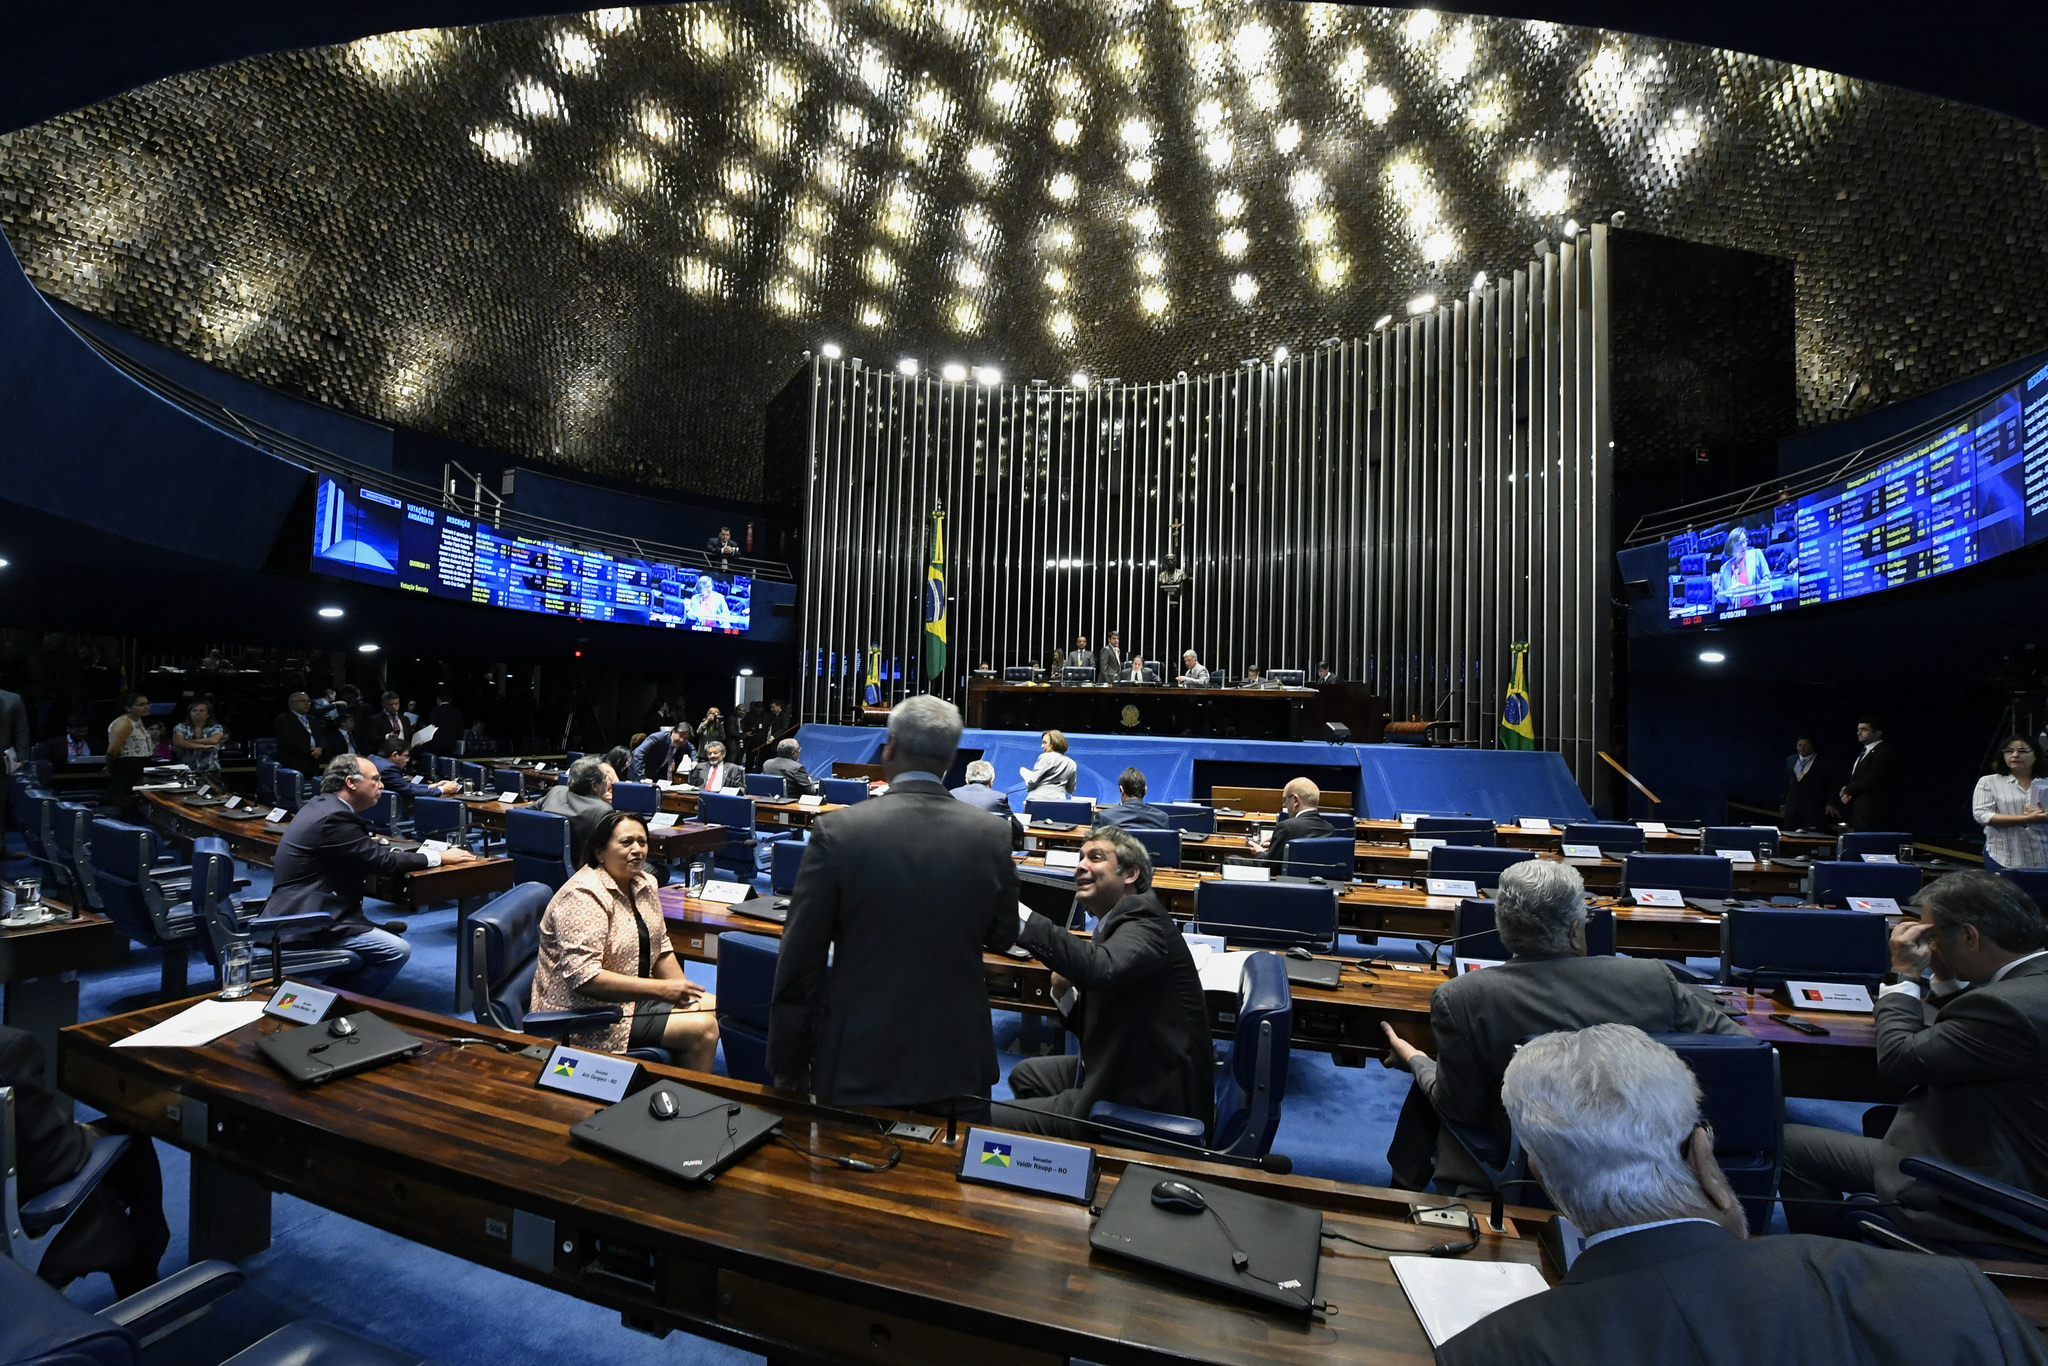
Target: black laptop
{"type": "Point", "coordinates": [705, 1135]}
{"type": "Point", "coordinates": [1280, 1242]}
{"type": "Point", "coordinates": [312, 1054]}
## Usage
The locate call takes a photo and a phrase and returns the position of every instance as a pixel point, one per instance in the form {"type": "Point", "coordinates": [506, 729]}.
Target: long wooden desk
{"type": "Point", "coordinates": [782, 1255]}
{"type": "Point", "coordinates": [680, 840]}
{"type": "Point", "coordinates": [39, 967]}
{"type": "Point", "coordinates": [1245, 713]}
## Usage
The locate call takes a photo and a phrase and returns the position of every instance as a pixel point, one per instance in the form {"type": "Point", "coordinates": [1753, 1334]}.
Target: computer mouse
{"type": "Point", "coordinates": [1302, 954]}
{"type": "Point", "coordinates": [662, 1105]}
{"type": "Point", "coordinates": [781, 903]}
{"type": "Point", "coordinates": [341, 1027]}
{"type": "Point", "coordinates": [1179, 1197]}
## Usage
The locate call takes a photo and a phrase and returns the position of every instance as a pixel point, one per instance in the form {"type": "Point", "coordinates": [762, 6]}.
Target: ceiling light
{"type": "Point", "coordinates": [1479, 282]}
{"type": "Point", "coordinates": [366, 648]}
{"type": "Point", "coordinates": [1571, 227]}
{"type": "Point", "coordinates": [1066, 131]}
{"type": "Point", "coordinates": [987, 376]}
{"type": "Point", "coordinates": [332, 612]}
{"type": "Point", "coordinates": [1152, 299]}
{"type": "Point", "coordinates": [1287, 137]}
{"type": "Point", "coordinates": [3, 564]}
{"type": "Point", "coordinates": [907, 366]}
{"type": "Point", "coordinates": [746, 673]}
{"type": "Point", "coordinates": [1234, 242]}
{"type": "Point", "coordinates": [1063, 187]}
{"type": "Point", "coordinates": [1244, 288]}
{"type": "Point", "coordinates": [1712, 657]}
{"type": "Point", "coordinates": [1079, 379]}
{"type": "Point", "coordinates": [829, 350]}
{"type": "Point", "coordinates": [1229, 204]}
{"type": "Point", "coordinates": [1378, 103]}
{"type": "Point", "coordinates": [1422, 303]}
{"type": "Point", "coordinates": [953, 372]}
{"type": "Point", "coordinates": [1384, 319]}
{"type": "Point", "coordinates": [1279, 355]}
{"type": "Point", "coordinates": [1139, 169]}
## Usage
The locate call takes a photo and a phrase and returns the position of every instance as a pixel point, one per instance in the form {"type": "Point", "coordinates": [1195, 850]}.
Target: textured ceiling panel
{"type": "Point", "coordinates": [605, 240]}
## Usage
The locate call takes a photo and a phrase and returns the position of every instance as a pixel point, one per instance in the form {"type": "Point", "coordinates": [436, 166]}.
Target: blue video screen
{"type": "Point", "coordinates": [1975, 490]}
{"type": "Point", "coordinates": [373, 537]}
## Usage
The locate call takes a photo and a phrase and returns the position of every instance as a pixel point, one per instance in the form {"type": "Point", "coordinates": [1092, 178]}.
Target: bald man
{"type": "Point", "coordinates": [1301, 818]}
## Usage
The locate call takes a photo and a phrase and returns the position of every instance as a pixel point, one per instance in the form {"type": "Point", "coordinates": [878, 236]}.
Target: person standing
{"type": "Point", "coordinates": [298, 745]}
{"type": "Point", "coordinates": [2009, 807]}
{"type": "Point", "coordinates": [1053, 776]}
{"type": "Point", "coordinates": [129, 747]}
{"type": "Point", "coordinates": [1109, 661]}
{"type": "Point", "coordinates": [1866, 798]}
{"type": "Point", "coordinates": [446, 719]}
{"type": "Point", "coordinates": [198, 740]}
{"type": "Point", "coordinates": [664, 756]}
{"type": "Point", "coordinates": [389, 720]}
{"type": "Point", "coordinates": [722, 549]}
{"type": "Point", "coordinates": [902, 893]}
{"type": "Point", "coordinates": [1080, 657]}
{"type": "Point", "coordinates": [1804, 803]}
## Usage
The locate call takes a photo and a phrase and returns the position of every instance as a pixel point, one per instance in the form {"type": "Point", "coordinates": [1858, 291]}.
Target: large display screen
{"type": "Point", "coordinates": [1977, 489]}
{"type": "Point", "coordinates": [372, 537]}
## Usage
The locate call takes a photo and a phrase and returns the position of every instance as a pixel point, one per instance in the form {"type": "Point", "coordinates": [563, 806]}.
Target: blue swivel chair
{"type": "Point", "coordinates": [440, 766]}
{"type": "Point", "coordinates": [1190, 818]}
{"type": "Point", "coordinates": [71, 841]}
{"type": "Point", "coordinates": [382, 814]}
{"type": "Point", "coordinates": [440, 818]}
{"type": "Point", "coordinates": [1743, 1101]}
{"type": "Point", "coordinates": [740, 854]}
{"type": "Point", "coordinates": [1834, 883]}
{"type": "Point", "coordinates": [785, 861]}
{"type": "Point", "coordinates": [642, 799]}
{"type": "Point", "coordinates": [844, 791]}
{"type": "Point", "coordinates": [29, 778]}
{"type": "Point", "coordinates": [1058, 809]}
{"type": "Point", "coordinates": [1760, 840]}
{"type": "Point", "coordinates": [291, 789]}
{"type": "Point", "coordinates": [1477, 864]}
{"type": "Point", "coordinates": [40, 837]}
{"type": "Point", "coordinates": [1476, 916]}
{"type": "Point", "coordinates": [1334, 857]}
{"type": "Point", "coordinates": [1989, 1200]}
{"type": "Point", "coordinates": [266, 781]}
{"type": "Point", "coordinates": [1701, 875]}
{"type": "Point", "coordinates": [571, 757]}
{"type": "Point", "coordinates": [538, 842]}
{"type": "Point", "coordinates": [1762, 947]}
{"type": "Point", "coordinates": [772, 786]}
{"type": "Point", "coordinates": [1854, 844]}
{"type": "Point", "coordinates": [746, 983]}
{"type": "Point", "coordinates": [1614, 838]}
{"type": "Point", "coordinates": [1471, 830]}
{"type": "Point", "coordinates": [507, 780]}
{"type": "Point", "coordinates": [1162, 845]}
{"type": "Point", "coordinates": [227, 920]}
{"type": "Point", "coordinates": [32, 1224]}
{"type": "Point", "coordinates": [1252, 1083]}
{"type": "Point", "coordinates": [2032, 881]}
{"type": "Point", "coordinates": [504, 949]}
{"type": "Point", "coordinates": [1341, 822]}
{"type": "Point", "coordinates": [1268, 914]}
{"type": "Point", "coordinates": [476, 775]}
{"type": "Point", "coordinates": [146, 901]}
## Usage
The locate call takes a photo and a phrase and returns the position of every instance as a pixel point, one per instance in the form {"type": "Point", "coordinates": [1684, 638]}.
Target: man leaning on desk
{"type": "Point", "coordinates": [903, 892]}
{"type": "Point", "coordinates": [1301, 818]}
{"type": "Point", "coordinates": [322, 861]}
{"type": "Point", "coordinates": [393, 757]}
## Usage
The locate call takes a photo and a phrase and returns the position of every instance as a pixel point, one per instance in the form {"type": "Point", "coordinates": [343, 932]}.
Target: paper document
{"type": "Point", "coordinates": [1223, 971]}
{"type": "Point", "coordinates": [1450, 1296]}
{"type": "Point", "coordinates": [202, 1024]}
{"type": "Point", "coordinates": [423, 734]}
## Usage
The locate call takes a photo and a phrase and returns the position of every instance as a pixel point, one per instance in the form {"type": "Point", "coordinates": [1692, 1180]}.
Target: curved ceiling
{"type": "Point", "coordinates": [604, 240]}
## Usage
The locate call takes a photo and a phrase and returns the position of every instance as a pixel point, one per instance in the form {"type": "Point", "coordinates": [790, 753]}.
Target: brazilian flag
{"type": "Point", "coordinates": [1517, 728]}
{"type": "Point", "coordinates": [874, 690]}
{"type": "Point", "coordinates": [935, 600]}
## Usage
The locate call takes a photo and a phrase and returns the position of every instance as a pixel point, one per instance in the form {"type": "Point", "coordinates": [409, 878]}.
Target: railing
{"type": "Point", "coordinates": [484, 504]}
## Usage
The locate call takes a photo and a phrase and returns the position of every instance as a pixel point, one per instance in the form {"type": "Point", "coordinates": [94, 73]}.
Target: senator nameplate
{"type": "Point", "coordinates": [1022, 1162]}
{"type": "Point", "coordinates": [594, 1076]}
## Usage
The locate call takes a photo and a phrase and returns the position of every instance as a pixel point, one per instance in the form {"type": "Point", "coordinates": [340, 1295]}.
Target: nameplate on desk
{"type": "Point", "coordinates": [1398, 883]}
{"type": "Point", "coordinates": [664, 784]}
{"type": "Point", "coordinates": [1658, 896]}
{"type": "Point", "coordinates": [1852, 997]}
{"type": "Point", "coordinates": [232, 802]}
{"type": "Point", "coordinates": [277, 813]}
{"type": "Point", "coordinates": [1461, 966]}
{"type": "Point", "coordinates": [1880, 858]}
{"type": "Point", "coordinates": [1242, 872]}
{"type": "Point", "coordinates": [1063, 858]}
{"type": "Point", "coordinates": [307, 1005]}
{"type": "Point", "coordinates": [1215, 943]}
{"type": "Point", "coordinates": [1877, 905]}
{"type": "Point", "coordinates": [508, 798]}
{"type": "Point", "coordinates": [662, 821]}
{"type": "Point", "coordinates": [725, 893]}
{"type": "Point", "coordinates": [1653, 827]}
{"type": "Point", "coordinates": [594, 1076]}
{"type": "Point", "coordinates": [1736, 855]}
{"type": "Point", "coordinates": [1408, 819]}
{"type": "Point", "coordinates": [1022, 1162]}
{"type": "Point", "coordinates": [1535, 825]}
{"type": "Point", "coordinates": [1421, 844]}
{"type": "Point", "coordinates": [1452, 886]}
{"type": "Point", "coordinates": [811, 801]}
{"type": "Point", "coordinates": [1582, 851]}
{"type": "Point", "coordinates": [433, 846]}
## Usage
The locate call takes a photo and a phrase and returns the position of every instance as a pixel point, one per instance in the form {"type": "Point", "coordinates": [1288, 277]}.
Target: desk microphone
{"type": "Point", "coordinates": [1437, 944]}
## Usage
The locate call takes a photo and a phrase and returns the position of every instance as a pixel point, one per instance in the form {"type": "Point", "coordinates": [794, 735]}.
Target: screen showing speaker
{"type": "Point", "coordinates": [373, 537]}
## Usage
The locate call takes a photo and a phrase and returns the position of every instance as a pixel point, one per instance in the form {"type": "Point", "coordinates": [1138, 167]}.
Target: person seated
{"type": "Point", "coordinates": [1301, 818]}
{"type": "Point", "coordinates": [664, 756]}
{"type": "Point", "coordinates": [1192, 674]}
{"type": "Point", "coordinates": [585, 799]}
{"type": "Point", "coordinates": [1610, 1119]}
{"type": "Point", "coordinates": [788, 765]}
{"type": "Point", "coordinates": [603, 941]}
{"type": "Point", "coordinates": [120, 1229]}
{"type": "Point", "coordinates": [1054, 774]}
{"type": "Point", "coordinates": [1252, 677]}
{"type": "Point", "coordinates": [393, 758]}
{"type": "Point", "coordinates": [1132, 994]}
{"type": "Point", "coordinates": [1547, 983]}
{"type": "Point", "coordinates": [322, 860]}
{"type": "Point", "coordinates": [1138, 673]}
{"type": "Point", "coordinates": [1972, 1060]}
{"type": "Point", "coordinates": [715, 773]}
{"type": "Point", "coordinates": [74, 746]}
{"type": "Point", "coordinates": [1133, 812]}
{"type": "Point", "coordinates": [980, 789]}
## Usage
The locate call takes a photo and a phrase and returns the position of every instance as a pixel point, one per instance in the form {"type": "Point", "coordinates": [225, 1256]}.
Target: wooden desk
{"type": "Point", "coordinates": [455, 1149]}
{"type": "Point", "coordinates": [1244, 713]}
{"type": "Point", "coordinates": [39, 967]}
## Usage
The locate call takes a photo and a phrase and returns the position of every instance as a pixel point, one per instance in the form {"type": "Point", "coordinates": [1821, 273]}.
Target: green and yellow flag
{"type": "Point", "coordinates": [1517, 727]}
{"type": "Point", "coordinates": [935, 599]}
{"type": "Point", "coordinates": [874, 688]}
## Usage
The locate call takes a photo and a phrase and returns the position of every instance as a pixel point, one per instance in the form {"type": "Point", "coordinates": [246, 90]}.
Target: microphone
{"type": "Point", "coordinates": [1437, 944]}
{"type": "Point", "coordinates": [1278, 1164]}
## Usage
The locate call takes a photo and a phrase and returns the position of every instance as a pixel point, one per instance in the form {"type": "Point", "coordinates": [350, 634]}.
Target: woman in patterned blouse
{"type": "Point", "coordinates": [603, 941]}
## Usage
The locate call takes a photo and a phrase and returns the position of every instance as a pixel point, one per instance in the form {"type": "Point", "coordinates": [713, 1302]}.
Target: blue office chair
{"type": "Point", "coordinates": [1058, 809]}
{"type": "Point", "coordinates": [1268, 914]}
{"type": "Point", "coordinates": [1190, 818]}
{"type": "Point", "coordinates": [571, 757]}
{"type": "Point", "coordinates": [1252, 1083]}
{"type": "Point", "coordinates": [2032, 881]}
{"type": "Point", "coordinates": [441, 818]}
{"type": "Point", "coordinates": [440, 767]}
{"type": "Point", "coordinates": [741, 853]}
{"type": "Point", "coordinates": [146, 901]}
{"type": "Point", "coordinates": [474, 774]}
{"type": "Point", "coordinates": [844, 791]}
{"type": "Point", "coordinates": [1341, 822]}
{"type": "Point", "coordinates": [746, 980]}
{"type": "Point", "coordinates": [508, 780]}
{"type": "Point", "coordinates": [1701, 875]}
{"type": "Point", "coordinates": [1854, 844]}
{"type": "Point", "coordinates": [773, 786]}
{"type": "Point", "coordinates": [1973, 1194]}
{"type": "Point", "coordinates": [40, 837]}
{"type": "Point", "coordinates": [291, 789]}
{"type": "Point", "coordinates": [1762, 947]}
{"type": "Point", "coordinates": [1475, 916]}
{"type": "Point", "coordinates": [382, 814]}
{"type": "Point", "coordinates": [71, 841]}
{"type": "Point", "coordinates": [642, 799]}
{"type": "Point", "coordinates": [228, 920]}
{"type": "Point", "coordinates": [1760, 840]}
{"type": "Point", "coordinates": [1614, 838]}
{"type": "Point", "coordinates": [504, 940]}
{"type": "Point", "coordinates": [1477, 864]}
{"type": "Point", "coordinates": [538, 842]}
{"type": "Point", "coordinates": [1467, 830]}
{"type": "Point", "coordinates": [27, 779]}
{"type": "Point", "coordinates": [1743, 1101]}
{"type": "Point", "coordinates": [266, 781]}
{"type": "Point", "coordinates": [1326, 856]}
{"type": "Point", "coordinates": [1162, 845]}
{"type": "Point", "coordinates": [786, 860]}
{"type": "Point", "coordinates": [32, 1224]}
{"type": "Point", "coordinates": [1834, 883]}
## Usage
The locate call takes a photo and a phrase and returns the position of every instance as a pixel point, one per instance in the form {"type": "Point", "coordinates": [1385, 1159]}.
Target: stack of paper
{"type": "Point", "coordinates": [201, 1024]}
{"type": "Point", "coordinates": [1450, 1296]}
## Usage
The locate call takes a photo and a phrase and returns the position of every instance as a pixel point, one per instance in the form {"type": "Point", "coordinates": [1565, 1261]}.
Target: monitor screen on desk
{"type": "Point", "coordinates": [1020, 673]}
{"type": "Point", "coordinates": [1287, 678]}
{"type": "Point", "coordinates": [1076, 674]}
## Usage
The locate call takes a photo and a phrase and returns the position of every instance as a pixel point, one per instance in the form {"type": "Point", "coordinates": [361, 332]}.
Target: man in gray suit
{"type": "Point", "coordinates": [904, 892]}
{"type": "Point", "coordinates": [788, 766]}
{"type": "Point", "coordinates": [1548, 983]}
{"type": "Point", "coordinates": [980, 789]}
{"type": "Point", "coordinates": [585, 798]}
{"type": "Point", "coordinates": [1973, 1055]}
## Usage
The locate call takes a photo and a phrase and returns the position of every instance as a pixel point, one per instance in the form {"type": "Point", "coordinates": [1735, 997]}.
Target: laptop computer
{"type": "Point", "coordinates": [706, 1135]}
{"type": "Point", "coordinates": [312, 1054]}
{"type": "Point", "coordinates": [764, 908]}
{"type": "Point", "coordinates": [1326, 973]}
{"type": "Point", "coordinates": [1280, 1242]}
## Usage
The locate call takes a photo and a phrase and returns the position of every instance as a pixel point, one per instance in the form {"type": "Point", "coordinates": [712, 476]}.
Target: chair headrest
{"type": "Point", "coordinates": [122, 849]}
{"type": "Point", "coordinates": [541, 833]}
{"type": "Point", "coordinates": [511, 925]}
{"type": "Point", "coordinates": [746, 976]}
{"type": "Point", "coordinates": [1263, 995]}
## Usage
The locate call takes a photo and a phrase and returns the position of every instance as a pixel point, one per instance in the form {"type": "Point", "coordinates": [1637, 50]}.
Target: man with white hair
{"type": "Point", "coordinates": [1610, 1119]}
{"type": "Point", "coordinates": [980, 789]}
{"type": "Point", "coordinates": [902, 893]}
{"type": "Point", "coordinates": [1547, 983]}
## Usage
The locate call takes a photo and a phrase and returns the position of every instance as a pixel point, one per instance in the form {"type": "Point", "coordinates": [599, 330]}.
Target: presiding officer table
{"type": "Point", "coordinates": [1243, 713]}
{"type": "Point", "coordinates": [799, 1260]}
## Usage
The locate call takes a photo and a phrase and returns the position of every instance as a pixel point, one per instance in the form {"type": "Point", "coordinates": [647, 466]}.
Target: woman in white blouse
{"type": "Point", "coordinates": [2008, 806]}
{"type": "Point", "coordinates": [1053, 776]}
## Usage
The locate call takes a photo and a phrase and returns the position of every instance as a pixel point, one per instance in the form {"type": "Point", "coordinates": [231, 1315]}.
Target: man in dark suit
{"type": "Point", "coordinates": [715, 772]}
{"type": "Point", "coordinates": [120, 1229]}
{"type": "Point", "coordinates": [905, 891]}
{"type": "Point", "coordinates": [1132, 994]}
{"type": "Point", "coordinates": [980, 789]}
{"type": "Point", "coordinates": [1547, 983]}
{"type": "Point", "coordinates": [1109, 660]}
{"type": "Point", "coordinates": [1611, 1121]}
{"type": "Point", "coordinates": [1138, 672]}
{"type": "Point", "coordinates": [1866, 799]}
{"type": "Point", "coordinates": [722, 548]}
{"type": "Point", "coordinates": [1133, 812]}
{"type": "Point", "coordinates": [298, 744]}
{"type": "Point", "coordinates": [446, 719]}
{"type": "Point", "coordinates": [664, 755]}
{"type": "Point", "coordinates": [1301, 818]}
{"type": "Point", "coordinates": [391, 760]}
{"type": "Point", "coordinates": [388, 719]}
{"type": "Point", "coordinates": [788, 765]}
{"type": "Point", "coordinates": [1804, 803]}
{"type": "Point", "coordinates": [584, 800]}
{"type": "Point", "coordinates": [1080, 657]}
{"type": "Point", "coordinates": [1973, 1056]}
{"type": "Point", "coordinates": [326, 853]}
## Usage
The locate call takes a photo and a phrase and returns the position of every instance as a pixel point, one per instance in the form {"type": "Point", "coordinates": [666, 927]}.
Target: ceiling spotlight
{"type": "Point", "coordinates": [1619, 217]}
{"type": "Point", "coordinates": [746, 673]}
{"type": "Point", "coordinates": [907, 366]}
{"type": "Point", "coordinates": [1571, 227]}
{"type": "Point", "coordinates": [1385, 318]}
{"type": "Point", "coordinates": [1479, 282]}
{"type": "Point", "coordinates": [332, 612]}
{"type": "Point", "coordinates": [1279, 355]}
{"type": "Point", "coordinates": [1079, 379]}
{"type": "Point", "coordinates": [829, 350]}
{"type": "Point", "coordinates": [987, 376]}
{"type": "Point", "coordinates": [953, 372]}
{"type": "Point", "coordinates": [3, 564]}
{"type": "Point", "coordinates": [1421, 303]}
{"type": "Point", "coordinates": [1712, 657]}
{"type": "Point", "coordinates": [366, 648]}
{"type": "Point", "coordinates": [1332, 341]}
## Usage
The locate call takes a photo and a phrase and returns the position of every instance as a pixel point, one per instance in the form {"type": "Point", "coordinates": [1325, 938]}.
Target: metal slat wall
{"type": "Point", "coordinates": [1403, 507]}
